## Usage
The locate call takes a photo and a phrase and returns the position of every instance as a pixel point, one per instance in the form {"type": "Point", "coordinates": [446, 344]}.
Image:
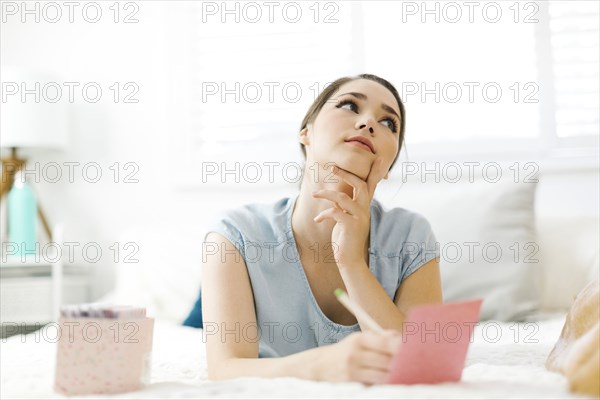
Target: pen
{"type": "Point", "coordinates": [357, 311]}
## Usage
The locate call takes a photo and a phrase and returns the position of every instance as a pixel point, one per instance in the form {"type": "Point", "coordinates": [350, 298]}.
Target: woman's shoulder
{"type": "Point", "coordinates": [396, 223]}
{"type": "Point", "coordinates": [394, 216]}
{"type": "Point", "coordinates": [255, 221]}
{"type": "Point", "coordinates": [256, 211]}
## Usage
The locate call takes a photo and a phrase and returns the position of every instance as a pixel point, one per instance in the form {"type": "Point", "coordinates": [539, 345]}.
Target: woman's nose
{"type": "Point", "coordinates": [367, 123]}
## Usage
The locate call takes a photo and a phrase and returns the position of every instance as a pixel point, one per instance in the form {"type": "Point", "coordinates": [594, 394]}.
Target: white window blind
{"type": "Point", "coordinates": [463, 79]}
{"type": "Point", "coordinates": [253, 82]}
{"type": "Point", "coordinates": [517, 84]}
{"type": "Point", "coordinates": [575, 52]}
{"type": "Point", "coordinates": [548, 77]}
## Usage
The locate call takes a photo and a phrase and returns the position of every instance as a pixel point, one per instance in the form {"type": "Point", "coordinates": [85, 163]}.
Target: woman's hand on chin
{"type": "Point", "coordinates": [352, 215]}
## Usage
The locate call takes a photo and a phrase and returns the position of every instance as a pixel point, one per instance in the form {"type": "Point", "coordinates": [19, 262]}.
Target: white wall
{"type": "Point", "coordinates": [106, 132]}
{"type": "Point", "coordinates": [152, 54]}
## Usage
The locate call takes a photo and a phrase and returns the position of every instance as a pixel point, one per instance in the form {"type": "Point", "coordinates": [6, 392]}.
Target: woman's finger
{"type": "Point", "coordinates": [376, 360]}
{"type": "Point", "coordinates": [386, 343]}
{"type": "Point", "coordinates": [331, 213]}
{"type": "Point", "coordinates": [371, 376]}
{"type": "Point", "coordinates": [361, 190]}
{"type": "Point", "coordinates": [341, 200]}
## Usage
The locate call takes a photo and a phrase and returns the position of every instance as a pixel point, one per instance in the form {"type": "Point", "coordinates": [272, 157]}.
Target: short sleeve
{"type": "Point", "coordinates": [421, 246]}
{"type": "Point", "coordinates": [225, 225]}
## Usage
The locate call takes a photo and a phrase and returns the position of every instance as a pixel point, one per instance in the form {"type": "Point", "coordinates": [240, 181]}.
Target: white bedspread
{"type": "Point", "coordinates": [503, 362]}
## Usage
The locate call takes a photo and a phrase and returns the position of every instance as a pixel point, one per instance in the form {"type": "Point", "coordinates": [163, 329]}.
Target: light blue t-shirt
{"type": "Point", "coordinates": [287, 314]}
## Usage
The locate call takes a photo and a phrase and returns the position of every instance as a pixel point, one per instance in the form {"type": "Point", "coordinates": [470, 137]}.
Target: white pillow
{"type": "Point", "coordinates": [492, 216]}
{"type": "Point", "coordinates": [570, 256]}
{"type": "Point", "coordinates": [166, 280]}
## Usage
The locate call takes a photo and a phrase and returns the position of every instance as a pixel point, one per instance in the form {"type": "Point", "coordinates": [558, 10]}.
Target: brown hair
{"type": "Point", "coordinates": [326, 94]}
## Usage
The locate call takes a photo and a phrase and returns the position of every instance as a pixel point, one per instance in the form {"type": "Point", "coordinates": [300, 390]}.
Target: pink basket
{"type": "Point", "coordinates": [103, 355]}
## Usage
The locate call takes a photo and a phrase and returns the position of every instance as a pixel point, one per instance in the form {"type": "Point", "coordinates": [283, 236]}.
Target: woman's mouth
{"type": "Point", "coordinates": [359, 144]}
{"type": "Point", "coordinates": [362, 142]}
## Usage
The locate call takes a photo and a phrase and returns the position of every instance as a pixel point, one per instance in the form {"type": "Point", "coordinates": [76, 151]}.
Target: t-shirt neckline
{"type": "Point", "coordinates": [298, 264]}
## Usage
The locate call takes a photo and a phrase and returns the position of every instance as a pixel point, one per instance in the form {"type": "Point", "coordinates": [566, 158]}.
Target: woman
{"type": "Point", "coordinates": [267, 292]}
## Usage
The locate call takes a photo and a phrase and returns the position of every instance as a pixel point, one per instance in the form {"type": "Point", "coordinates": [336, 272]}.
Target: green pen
{"type": "Point", "coordinates": [357, 311]}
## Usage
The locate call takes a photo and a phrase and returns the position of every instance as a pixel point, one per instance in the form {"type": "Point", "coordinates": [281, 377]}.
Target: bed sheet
{"type": "Point", "coordinates": [505, 360]}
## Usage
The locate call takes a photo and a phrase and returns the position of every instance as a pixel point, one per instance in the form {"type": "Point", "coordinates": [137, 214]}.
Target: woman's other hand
{"type": "Point", "coordinates": [364, 357]}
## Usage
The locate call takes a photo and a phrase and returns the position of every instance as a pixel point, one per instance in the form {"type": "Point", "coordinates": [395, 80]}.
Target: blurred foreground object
{"type": "Point", "coordinates": [577, 351]}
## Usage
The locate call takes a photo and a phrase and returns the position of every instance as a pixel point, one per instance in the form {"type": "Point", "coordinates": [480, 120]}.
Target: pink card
{"type": "Point", "coordinates": [434, 344]}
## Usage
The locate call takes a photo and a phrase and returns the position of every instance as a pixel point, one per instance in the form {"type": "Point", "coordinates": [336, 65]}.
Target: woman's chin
{"type": "Point", "coordinates": [355, 167]}
{"type": "Point", "coordinates": [359, 166]}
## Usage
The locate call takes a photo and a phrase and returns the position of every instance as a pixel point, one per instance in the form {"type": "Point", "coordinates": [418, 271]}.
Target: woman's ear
{"type": "Point", "coordinates": [303, 134]}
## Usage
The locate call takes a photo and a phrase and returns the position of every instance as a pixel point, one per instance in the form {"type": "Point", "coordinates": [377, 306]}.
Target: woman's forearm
{"type": "Point", "coordinates": [364, 288]}
{"type": "Point", "coordinates": [303, 365]}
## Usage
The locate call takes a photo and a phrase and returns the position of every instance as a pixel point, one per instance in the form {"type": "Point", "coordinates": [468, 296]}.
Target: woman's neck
{"type": "Point", "coordinates": [306, 231]}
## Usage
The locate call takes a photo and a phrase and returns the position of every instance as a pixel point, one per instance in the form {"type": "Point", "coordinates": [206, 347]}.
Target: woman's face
{"type": "Point", "coordinates": [361, 108]}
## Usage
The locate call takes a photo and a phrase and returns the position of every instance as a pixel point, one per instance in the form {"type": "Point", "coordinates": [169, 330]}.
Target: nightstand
{"type": "Point", "coordinates": [32, 291]}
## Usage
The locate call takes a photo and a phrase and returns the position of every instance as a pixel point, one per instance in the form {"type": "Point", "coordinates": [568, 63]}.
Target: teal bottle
{"type": "Point", "coordinates": [22, 216]}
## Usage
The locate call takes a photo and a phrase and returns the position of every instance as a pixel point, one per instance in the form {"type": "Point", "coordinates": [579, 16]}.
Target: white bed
{"type": "Point", "coordinates": [495, 368]}
{"type": "Point", "coordinates": [167, 283]}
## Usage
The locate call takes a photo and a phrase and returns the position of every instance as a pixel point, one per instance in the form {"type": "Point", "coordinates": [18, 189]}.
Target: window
{"type": "Point", "coordinates": [475, 76]}
{"type": "Point", "coordinates": [574, 41]}
{"type": "Point", "coordinates": [532, 67]}
{"type": "Point", "coordinates": [498, 77]}
{"type": "Point", "coordinates": [255, 80]}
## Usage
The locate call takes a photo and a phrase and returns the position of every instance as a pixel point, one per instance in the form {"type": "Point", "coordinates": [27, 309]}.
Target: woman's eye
{"type": "Point", "coordinates": [348, 105]}
{"type": "Point", "coordinates": [351, 106]}
{"type": "Point", "coordinates": [390, 124]}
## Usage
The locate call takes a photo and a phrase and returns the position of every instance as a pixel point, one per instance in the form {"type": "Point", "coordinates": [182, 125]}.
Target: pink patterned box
{"type": "Point", "coordinates": [103, 355]}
